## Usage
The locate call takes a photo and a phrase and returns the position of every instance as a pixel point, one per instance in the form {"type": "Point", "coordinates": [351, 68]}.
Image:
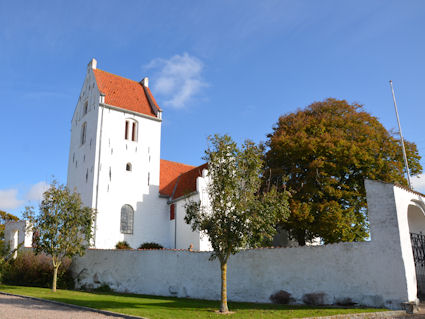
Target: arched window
{"type": "Point", "coordinates": [83, 133]}
{"type": "Point", "coordinates": [127, 219]}
{"type": "Point", "coordinates": [130, 132]}
{"type": "Point", "coordinates": [128, 167]}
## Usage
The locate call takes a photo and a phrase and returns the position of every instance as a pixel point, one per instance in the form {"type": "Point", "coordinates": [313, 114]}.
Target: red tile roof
{"type": "Point", "coordinates": [124, 93]}
{"type": "Point", "coordinates": [177, 179]}
{"type": "Point", "coordinates": [168, 174]}
{"type": "Point", "coordinates": [186, 184]}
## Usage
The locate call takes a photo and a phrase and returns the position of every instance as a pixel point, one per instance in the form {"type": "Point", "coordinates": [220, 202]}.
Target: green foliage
{"type": "Point", "coordinates": [29, 269]}
{"type": "Point", "coordinates": [63, 226]}
{"type": "Point", "coordinates": [326, 151]}
{"type": "Point", "coordinates": [122, 245]}
{"type": "Point", "coordinates": [104, 287]}
{"type": "Point", "coordinates": [5, 217]}
{"type": "Point", "coordinates": [238, 215]}
{"type": "Point", "coordinates": [150, 246]}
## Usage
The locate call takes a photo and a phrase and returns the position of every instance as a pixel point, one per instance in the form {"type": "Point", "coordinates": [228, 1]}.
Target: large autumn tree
{"type": "Point", "coordinates": [326, 151]}
{"type": "Point", "coordinates": [238, 215]}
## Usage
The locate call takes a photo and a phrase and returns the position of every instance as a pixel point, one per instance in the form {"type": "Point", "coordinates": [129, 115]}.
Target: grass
{"type": "Point", "coordinates": [155, 307]}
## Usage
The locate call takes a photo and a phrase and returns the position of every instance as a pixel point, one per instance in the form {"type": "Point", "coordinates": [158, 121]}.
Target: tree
{"type": "Point", "coordinates": [5, 217]}
{"type": "Point", "coordinates": [238, 215]}
{"type": "Point", "coordinates": [326, 151]}
{"type": "Point", "coordinates": [63, 227]}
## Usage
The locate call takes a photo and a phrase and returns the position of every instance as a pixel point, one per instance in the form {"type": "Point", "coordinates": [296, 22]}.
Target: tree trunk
{"type": "Point", "coordinates": [300, 236]}
{"type": "Point", "coordinates": [223, 307]}
{"type": "Point", "coordinates": [55, 277]}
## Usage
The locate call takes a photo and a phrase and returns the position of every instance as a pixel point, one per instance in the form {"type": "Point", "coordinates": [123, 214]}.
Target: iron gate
{"type": "Point", "coordinates": [418, 246]}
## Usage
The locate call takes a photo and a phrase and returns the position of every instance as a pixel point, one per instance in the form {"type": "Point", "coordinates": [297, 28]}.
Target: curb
{"type": "Point", "coordinates": [103, 312]}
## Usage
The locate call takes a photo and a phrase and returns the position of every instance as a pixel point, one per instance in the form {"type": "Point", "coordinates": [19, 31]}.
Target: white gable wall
{"type": "Point", "coordinates": [118, 187]}
{"type": "Point", "coordinates": [82, 159]}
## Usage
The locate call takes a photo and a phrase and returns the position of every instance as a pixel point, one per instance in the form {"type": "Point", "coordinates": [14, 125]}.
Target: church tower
{"type": "Point", "coordinates": [114, 159]}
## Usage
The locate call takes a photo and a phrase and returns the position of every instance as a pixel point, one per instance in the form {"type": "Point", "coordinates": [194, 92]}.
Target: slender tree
{"type": "Point", "coordinates": [238, 215]}
{"type": "Point", "coordinates": [326, 151]}
{"type": "Point", "coordinates": [63, 226]}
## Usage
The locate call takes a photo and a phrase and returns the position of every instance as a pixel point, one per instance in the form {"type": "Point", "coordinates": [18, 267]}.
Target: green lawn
{"type": "Point", "coordinates": [154, 307]}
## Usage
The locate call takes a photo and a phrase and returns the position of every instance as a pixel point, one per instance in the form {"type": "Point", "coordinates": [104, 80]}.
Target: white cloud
{"type": "Point", "coordinates": [418, 183]}
{"type": "Point", "coordinates": [9, 199]}
{"type": "Point", "coordinates": [177, 79]}
{"type": "Point", "coordinates": [36, 191]}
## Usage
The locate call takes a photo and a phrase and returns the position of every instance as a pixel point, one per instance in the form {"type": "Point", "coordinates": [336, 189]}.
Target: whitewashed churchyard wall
{"type": "Point", "coordinates": [377, 273]}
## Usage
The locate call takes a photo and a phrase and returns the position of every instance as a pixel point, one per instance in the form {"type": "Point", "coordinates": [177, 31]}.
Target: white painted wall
{"type": "Point", "coordinates": [185, 236]}
{"type": "Point", "coordinates": [15, 234]}
{"type": "Point", "coordinates": [376, 273]}
{"type": "Point", "coordinates": [118, 187]}
{"type": "Point", "coordinates": [82, 158]}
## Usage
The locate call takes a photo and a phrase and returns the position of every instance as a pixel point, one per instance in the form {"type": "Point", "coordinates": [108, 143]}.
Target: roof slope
{"type": "Point", "coordinates": [186, 184]}
{"type": "Point", "coordinates": [169, 172]}
{"type": "Point", "coordinates": [125, 93]}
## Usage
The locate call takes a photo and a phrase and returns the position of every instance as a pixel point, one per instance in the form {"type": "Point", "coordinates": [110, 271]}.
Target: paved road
{"type": "Point", "coordinates": [12, 307]}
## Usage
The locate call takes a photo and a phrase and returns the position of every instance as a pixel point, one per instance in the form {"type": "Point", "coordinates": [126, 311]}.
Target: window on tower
{"type": "Point", "coordinates": [86, 106]}
{"type": "Point", "coordinates": [128, 167]}
{"type": "Point", "coordinates": [127, 219]}
{"type": "Point", "coordinates": [83, 133]}
{"type": "Point", "coordinates": [130, 131]}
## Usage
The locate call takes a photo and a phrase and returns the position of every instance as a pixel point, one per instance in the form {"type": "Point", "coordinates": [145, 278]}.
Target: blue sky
{"type": "Point", "coordinates": [214, 67]}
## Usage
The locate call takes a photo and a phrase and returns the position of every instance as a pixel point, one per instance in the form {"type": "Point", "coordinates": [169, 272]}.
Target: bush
{"type": "Point", "coordinates": [122, 245]}
{"type": "Point", "coordinates": [281, 297]}
{"type": "Point", "coordinates": [345, 302]}
{"type": "Point", "coordinates": [104, 287]}
{"type": "Point", "coordinates": [29, 269]}
{"type": "Point", "coordinates": [314, 299]}
{"type": "Point", "coordinates": [150, 246]}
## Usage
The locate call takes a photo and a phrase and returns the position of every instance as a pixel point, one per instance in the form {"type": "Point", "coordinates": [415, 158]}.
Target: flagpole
{"type": "Point", "coordinates": [401, 136]}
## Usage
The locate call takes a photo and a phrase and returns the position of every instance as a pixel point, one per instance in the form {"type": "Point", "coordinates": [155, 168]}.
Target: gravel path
{"type": "Point", "coordinates": [12, 307]}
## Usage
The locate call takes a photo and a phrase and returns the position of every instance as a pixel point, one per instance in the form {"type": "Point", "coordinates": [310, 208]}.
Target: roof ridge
{"type": "Point", "coordinates": [193, 166]}
{"type": "Point", "coordinates": [120, 76]}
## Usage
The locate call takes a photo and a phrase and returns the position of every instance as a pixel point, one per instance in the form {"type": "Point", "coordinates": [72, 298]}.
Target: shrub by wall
{"type": "Point", "coordinates": [29, 269]}
{"type": "Point", "coordinates": [122, 245]}
{"type": "Point", "coordinates": [150, 246]}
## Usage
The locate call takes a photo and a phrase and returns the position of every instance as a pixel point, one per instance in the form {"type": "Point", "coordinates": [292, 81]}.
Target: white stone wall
{"type": "Point", "coordinates": [185, 236]}
{"type": "Point", "coordinates": [376, 273]}
{"type": "Point", "coordinates": [82, 158]}
{"type": "Point", "coordinates": [15, 233]}
{"type": "Point", "coordinates": [118, 187]}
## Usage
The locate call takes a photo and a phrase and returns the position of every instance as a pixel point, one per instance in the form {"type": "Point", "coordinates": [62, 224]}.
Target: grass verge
{"type": "Point", "coordinates": [155, 307]}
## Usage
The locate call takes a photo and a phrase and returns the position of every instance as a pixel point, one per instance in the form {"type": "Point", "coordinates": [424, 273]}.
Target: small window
{"type": "Point", "coordinates": [172, 214]}
{"type": "Point", "coordinates": [128, 167]}
{"type": "Point", "coordinates": [149, 178]}
{"type": "Point", "coordinates": [86, 107]}
{"type": "Point", "coordinates": [133, 132]}
{"type": "Point", "coordinates": [130, 132]}
{"type": "Point", "coordinates": [126, 130]}
{"type": "Point", "coordinates": [127, 219]}
{"type": "Point", "coordinates": [83, 133]}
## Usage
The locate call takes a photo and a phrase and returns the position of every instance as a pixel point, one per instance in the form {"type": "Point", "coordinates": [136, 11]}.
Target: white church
{"type": "Point", "coordinates": [115, 165]}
